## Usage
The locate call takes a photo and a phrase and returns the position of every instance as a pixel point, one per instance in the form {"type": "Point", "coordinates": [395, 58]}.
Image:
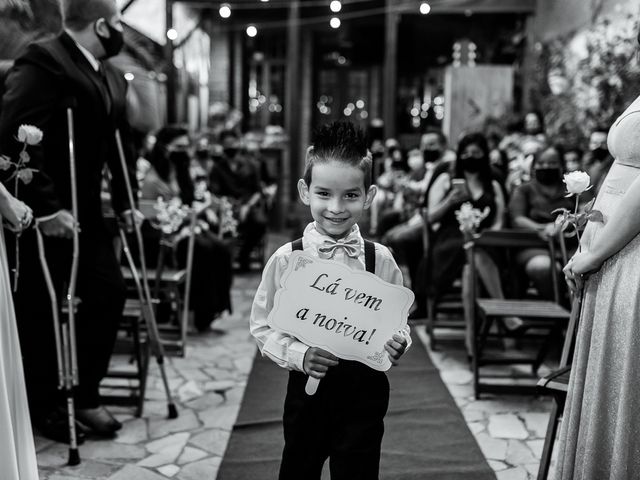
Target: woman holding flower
{"type": "Point", "coordinates": [170, 179]}
{"type": "Point", "coordinates": [600, 432]}
{"type": "Point", "coordinates": [472, 183]}
{"type": "Point", "coordinates": [17, 451]}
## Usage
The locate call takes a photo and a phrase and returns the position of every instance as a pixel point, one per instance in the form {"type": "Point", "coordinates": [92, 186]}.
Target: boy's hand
{"type": "Point", "coordinates": [395, 348]}
{"type": "Point", "coordinates": [318, 361]}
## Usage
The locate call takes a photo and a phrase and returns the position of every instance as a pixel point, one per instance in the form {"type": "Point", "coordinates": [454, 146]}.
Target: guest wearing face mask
{"type": "Point", "coordinates": [407, 239]}
{"type": "Point", "coordinates": [70, 70]}
{"type": "Point", "coordinates": [598, 160]}
{"type": "Point", "coordinates": [446, 257]}
{"type": "Point", "coordinates": [169, 177]}
{"type": "Point", "coordinates": [530, 208]}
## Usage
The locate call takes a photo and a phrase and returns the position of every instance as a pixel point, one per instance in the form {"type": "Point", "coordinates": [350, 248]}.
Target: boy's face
{"type": "Point", "coordinates": [336, 197]}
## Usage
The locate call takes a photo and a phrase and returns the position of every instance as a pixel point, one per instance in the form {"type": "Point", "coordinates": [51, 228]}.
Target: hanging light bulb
{"type": "Point", "coordinates": [252, 31]}
{"type": "Point", "coordinates": [225, 10]}
{"type": "Point", "coordinates": [335, 6]}
{"type": "Point", "coordinates": [334, 22]}
{"type": "Point", "coordinates": [425, 8]}
{"type": "Point", "coordinates": [172, 34]}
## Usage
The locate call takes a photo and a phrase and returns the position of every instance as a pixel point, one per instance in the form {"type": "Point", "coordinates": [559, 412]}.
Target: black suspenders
{"type": "Point", "coordinates": [369, 253]}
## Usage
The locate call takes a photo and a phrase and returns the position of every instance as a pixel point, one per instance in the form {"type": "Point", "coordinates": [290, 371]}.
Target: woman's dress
{"type": "Point", "coordinates": [600, 432]}
{"type": "Point", "coordinates": [17, 451]}
{"type": "Point", "coordinates": [447, 257]}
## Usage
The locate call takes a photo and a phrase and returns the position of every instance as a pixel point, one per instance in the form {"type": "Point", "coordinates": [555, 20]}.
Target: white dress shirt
{"type": "Point", "coordinates": [285, 350]}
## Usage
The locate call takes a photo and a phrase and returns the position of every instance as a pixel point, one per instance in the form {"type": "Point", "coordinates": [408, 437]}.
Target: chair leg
{"type": "Point", "coordinates": [549, 441]}
{"type": "Point", "coordinates": [431, 319]}
{"type": "Point", "coordinates": [544, 348]}
{"type": "Point", "coordinates": [137, 347]}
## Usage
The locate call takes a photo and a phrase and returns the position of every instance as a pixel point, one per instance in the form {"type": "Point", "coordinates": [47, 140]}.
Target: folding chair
{"type": "Point", "coordinates": [538, 315]}
{"type": "Point", "coordinates": [131, 342]}
{"type": "Point", "coordinates": [557, 384]}
{"type": "Point", "coordinates": [450, 303]}
{"type": "Point", "coordinates": [171, 287]}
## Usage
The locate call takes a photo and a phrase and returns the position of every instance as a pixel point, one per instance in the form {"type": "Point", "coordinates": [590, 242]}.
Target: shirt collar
{"type": "Point", "coordinates": [316, 238]}
{"type": "Point", "coordinates": [95, 64]}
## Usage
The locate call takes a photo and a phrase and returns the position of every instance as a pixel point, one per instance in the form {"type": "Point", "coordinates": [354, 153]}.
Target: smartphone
{"type": "Point", "coordinates": [459, 184]}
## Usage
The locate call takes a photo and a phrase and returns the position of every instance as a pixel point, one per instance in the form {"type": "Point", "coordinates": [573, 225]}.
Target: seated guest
{"type": "Point", "coordinates": [475, 185]}
{"type": "Point", "coordinates": [573, 159]}
{"type": "Point", "coordinates": [598, 160]}
{"type": "Point", "coordinates": [530, 208]}
{"type": "Point", "coordinates": [406, 239]}
{"type": "Point", "coordinates": [168, 178]}
{"type": "Point", "coordinates": [238, 176]}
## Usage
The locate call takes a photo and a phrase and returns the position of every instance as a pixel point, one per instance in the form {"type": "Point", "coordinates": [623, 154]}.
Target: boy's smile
{"type": "Point", "coordinates": [336, 197]}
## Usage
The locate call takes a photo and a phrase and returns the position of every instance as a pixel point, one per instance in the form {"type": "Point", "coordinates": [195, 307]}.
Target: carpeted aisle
{"type": "Point", "coordinates": [426, 436]}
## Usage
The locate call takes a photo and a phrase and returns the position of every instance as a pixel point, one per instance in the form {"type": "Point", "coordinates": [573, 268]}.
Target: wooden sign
{"type": "Point", "coordinates": [350, 313]}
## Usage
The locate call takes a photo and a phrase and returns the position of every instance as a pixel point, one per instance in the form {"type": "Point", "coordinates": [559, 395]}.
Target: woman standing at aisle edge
{"type": "Point", "coordinates": [17, 451]}
{"type": "Point", "coordinates": [600, 433]}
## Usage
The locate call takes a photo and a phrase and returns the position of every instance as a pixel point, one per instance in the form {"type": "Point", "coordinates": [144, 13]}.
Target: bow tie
{"type": "Point", "coordinates": [350, 246]}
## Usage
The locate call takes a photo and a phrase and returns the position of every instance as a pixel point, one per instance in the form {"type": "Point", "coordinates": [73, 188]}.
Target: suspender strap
{"type": "Point", "coordinates": [296, 245]}
{"type": "Point", "coordinates": [369, 253]}
{"type": "Point", "coordinates": [370, 256]}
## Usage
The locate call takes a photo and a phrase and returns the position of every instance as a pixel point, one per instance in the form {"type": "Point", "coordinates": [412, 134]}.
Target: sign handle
{"type": "Point", "coordinates": [312, 385]}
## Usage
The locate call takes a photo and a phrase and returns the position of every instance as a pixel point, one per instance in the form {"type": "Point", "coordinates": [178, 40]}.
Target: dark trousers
{"type": "Point", "coordinates": [343, 421]}
{"type": "Point", "coordinates": [101, 290]}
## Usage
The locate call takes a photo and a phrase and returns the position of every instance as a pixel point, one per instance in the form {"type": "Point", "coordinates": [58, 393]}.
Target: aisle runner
{"type": "Point", "coordinates": [426, 436]}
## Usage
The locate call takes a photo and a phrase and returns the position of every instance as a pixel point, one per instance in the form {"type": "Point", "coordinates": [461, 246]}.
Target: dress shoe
{"type": "Point", "coordinates": [98, 420]}
{"type": "Point", "coordinates": [55, 426]}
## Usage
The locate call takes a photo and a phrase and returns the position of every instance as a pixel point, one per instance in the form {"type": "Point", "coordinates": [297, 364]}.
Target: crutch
{"type": "Point", "coordinates": [144, 291]}
{"type": "Point", "coordinates": [65, 331]}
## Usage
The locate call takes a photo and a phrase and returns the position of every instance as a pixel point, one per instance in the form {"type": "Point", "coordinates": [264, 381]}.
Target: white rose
{"type": "Point", "coordinates": [577, 182]}
{"type": "Point", "coordinates": [29, 134]}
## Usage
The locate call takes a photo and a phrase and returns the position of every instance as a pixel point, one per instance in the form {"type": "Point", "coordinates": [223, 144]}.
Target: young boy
{"type": "Point", "coordinates": [343, 421]}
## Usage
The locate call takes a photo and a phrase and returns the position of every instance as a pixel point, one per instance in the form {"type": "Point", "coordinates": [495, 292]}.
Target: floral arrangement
{"type": "Point", "coordinates": [228, 222]}
{"type": "Point", "coordinates": [587, 78]}
{"type": "Point", "coordinates": [470, 218]}
{"type": "Point", "coordinates": [170, 216]}
{"type": "Point", "coordinates": [28, 135]}
{"type": "Point", "coordinates": [577, 183]}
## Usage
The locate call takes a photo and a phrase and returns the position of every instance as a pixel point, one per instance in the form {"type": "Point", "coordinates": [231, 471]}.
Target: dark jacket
{"type": "Point", "coordinates": [47, 79]}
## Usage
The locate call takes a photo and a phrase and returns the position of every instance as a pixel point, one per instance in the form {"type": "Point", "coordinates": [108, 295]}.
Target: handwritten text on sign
{"type": "Point", "coordinates": [350, 313]}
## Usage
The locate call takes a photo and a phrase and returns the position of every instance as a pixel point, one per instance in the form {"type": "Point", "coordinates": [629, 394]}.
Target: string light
{"type": "Point", "coordinates": [252, 31]}
{"type": "Point", "coordinates": [334, 22]}
{"type": "Point", "coordinates": [425, 8]}
{"type": "Point", "coordinates": [335, 6]}
{"type": "Point", "coordinates": [225, 10]}
{"type": "Point", "coordinates": [172, 34]}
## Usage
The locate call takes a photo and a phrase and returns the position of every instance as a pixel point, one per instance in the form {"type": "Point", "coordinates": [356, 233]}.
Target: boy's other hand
{"type": "Point", "coordinates": [317, 361]}
{"type": "Point", "coordinates": [395, 348]}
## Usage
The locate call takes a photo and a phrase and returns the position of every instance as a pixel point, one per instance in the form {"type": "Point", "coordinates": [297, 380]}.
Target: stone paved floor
{"type": "Point", "coordinates": [209, 384]}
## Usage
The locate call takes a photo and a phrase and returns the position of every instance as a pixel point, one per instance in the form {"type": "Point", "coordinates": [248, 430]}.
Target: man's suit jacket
{"type": "Point", "coordinates": [47, 79]}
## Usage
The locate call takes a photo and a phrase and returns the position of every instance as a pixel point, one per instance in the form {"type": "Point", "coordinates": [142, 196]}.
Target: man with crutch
{"type": "Point", "coordinates": [70, 71]}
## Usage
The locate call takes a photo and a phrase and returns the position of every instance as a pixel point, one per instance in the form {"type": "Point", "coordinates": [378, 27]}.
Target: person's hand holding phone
{"type": "Point", "coordinates": [459, 192]}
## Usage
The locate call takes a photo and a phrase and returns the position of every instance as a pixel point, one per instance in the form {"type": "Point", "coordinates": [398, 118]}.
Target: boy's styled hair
{"type": "Point", "coordinates": [342, 142]}
{"type": "Point", "coordinates": [78, 14]}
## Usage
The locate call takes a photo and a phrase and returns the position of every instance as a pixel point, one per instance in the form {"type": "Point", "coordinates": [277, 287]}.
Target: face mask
{"type": "Point", "coordinates": [547, 176]}
{"type": "Point", "coordinates": [600, 153]}
{"type": "Point", "coordinates": [180, 157]}
{"type": "Point", "coordinates": [472, 164]}
{"type": "Point", "coordinates": [431, 156]}
{"type": "Point", "coordinates": [114, 43]}
{"type": "Point", "coordinates": [230, 152]}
